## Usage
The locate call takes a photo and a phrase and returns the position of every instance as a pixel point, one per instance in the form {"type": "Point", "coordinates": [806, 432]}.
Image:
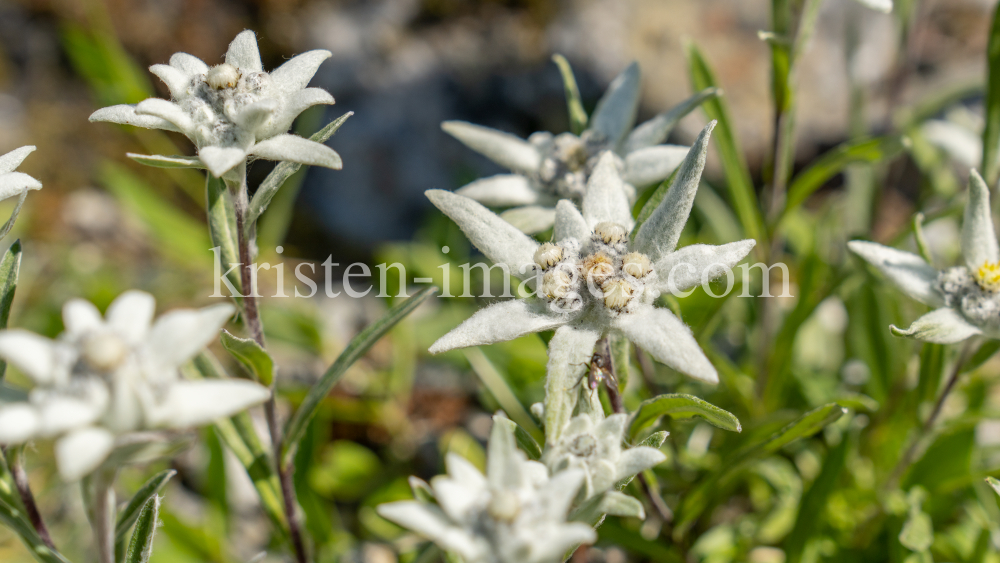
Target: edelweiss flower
{"type": "Point", "coordinates": [234, 110]}
{"type": "Point", "coordinates": [547, 167]}
{"type": "Point", "coordinates": [595, 278]}
{"type": "Point", "coordinates": [15, 183]}
{"type": "Point", "coordinates": [967, 297]}
{"type": "Point", "coordinates": [515, 514]}
{"type": "Point", "coordinates": [595, 446]}
{"type": "Point", "coordinates": [105, 378]}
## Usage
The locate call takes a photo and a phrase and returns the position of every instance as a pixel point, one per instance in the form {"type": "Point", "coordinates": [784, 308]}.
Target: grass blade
{"type": "Point", "coordinates": [162, 161]}
{"type": "Point", "coordinates": [577, 115]}
{"type": "Point", "coordinates": [498, 387]}
{"type": "Point", "coordinates": [991, 132]}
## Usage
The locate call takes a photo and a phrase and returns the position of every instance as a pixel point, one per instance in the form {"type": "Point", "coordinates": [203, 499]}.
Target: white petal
{"type": "Point", "coordinates": [78, 454]}
{"type": "Point", "coordinates": [692, 265]}
{"type": "Point", "coordinates": [33, 355]}
{"type": "Point", "coordinates": [961, 143]}
{"type": "Point", "coordinates": [293, 148]}
{"type": "Point", "coordinates": [255, 115]}
{"type": "Point", "coordinates": [59, 414]}
{"type": "Point", "coordinates": [653, 165]}
{"type": "Point", "coordinates": [15, 183]}
{"type": "Point", "coordinates": [131, 314]}
{"type": "Point", "coordinates": [562, 539]}
{"type": "Point", "coordinates": [428, 521]}
{"type": "Point", "coordinates": [168, 111]}
{"type": "Point", "coordinates": [502, 190]}
{"type": "Point", "coordinates": [499, 322]}
{"type": "Point", "coordinates": [500, 241]}
{"type": "Point", "coordinates": [188, 404]}
{"type": "Point", "coordinates": [614, 503]}
{"type": "Point", "coordinates": [19, 422]}
{"type": "Point", "coordinates": [559, 492]}
{"type": "Point", "coordinates": [503, 459]}
{"type": "Point", "coordinates": [530, 219]}
{"type": "Point", "coordinates": [295, 104]}
{"type": "Point", "coordinates": [569, 222]}
{"type": "Point", "coordinates": [612, 428]}
{"type": "Point", "coordinates": [940, 326]}
{"type": "Point", "coordinates": [126, 115]}
{"type": "Point", "coordinates": [190, 64]}
{"type": "Point", "coordinates": [220, 160]}
{"type": "Point", "coordinates": [296, 73]}
{"type": "Point", "coordinates": [243, 53]}
{"type": "Point", "coordinates": [462, 472]}
{"type": "Point", "coordinates": [658, 236]}
{"type": "Point", "coordinates": [502, 148]}
{"type": "Point", "coordinates": [667, 339]}
{"type": "Point", "coordinates": [176, 79]}
{"type": "Point", "coordinates": [10, 161]}
{"type": "Point", "coordinates": [605, 198]}
{"type": "Point", "coordinates": [634, 460]}
{"type": "Point", "coordinates": [178, 335]}
{"type": "Point", "coordinates": [570, 351]}
{"type": "Point", "coordinates": [884, 6]}
{"type": "Point", "coordinates": [907, 271]}
{"type": "Point", "coordinates": [614, 115]}
{"type": "Point", "coordinates": [979, 239]}
{"type": "Point", "coordinates": [81, 316]}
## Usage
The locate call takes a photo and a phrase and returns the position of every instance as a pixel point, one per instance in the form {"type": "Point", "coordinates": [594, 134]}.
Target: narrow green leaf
{"type": "Point", "coordinates": [577, 115]}
{"type": "Point", "coordinates": [296, 427]}
{"type": "Point", "coordinates": [835, 160]}
{"type": "Point", "coordinates": [141, 545]}
{"type": "Point", "coordinates": [9, 268]}
{"type": "Point", "coordinates": [995, 484]}
{"type": "Point", "coordinates": [13, 215]}
{"type": "Point", "coordinates": [991, 132]}
{"type": "Point", "coordinates": [246, 351]}
{"type": "Point", "coordinates": [222, 226]}
{"type": "Point", "coordinates": [814, 501]}
{"type": "Point", "coordinates": [655, 440]}
{"type": "Point", "coordinates": [270, 186]}
{"type": "Point", "coordinates": [741, 190]}
{"type": "Point", "coordinates": [984, 353]}
{"type": "Point", "coordinates": [501, 391]}
{"type": "Point", "coordinates": [130, 513]}
{"type": "Point", "coordinates": [16, 522]}
{"type": "Point", "coordinates": [918, 237]}
{"type": "Point", "coordinates": [163, 161]}
{"type": "Point", "coordinates": [524, 440]}
{"type": "Point", "coordinates": [620, 348]}
{"type": "Point", "coordinates": [681, 406]}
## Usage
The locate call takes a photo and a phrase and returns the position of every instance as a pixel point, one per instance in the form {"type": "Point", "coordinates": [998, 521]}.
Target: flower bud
{"type": "Point", "coordinates": [617, 294]}
{"type": "Point", "coordinates": [610, 233]}
{"type": "Point", "coordinates": [598, 268]}
{"type": "Point", "coordinates": [548, 255]}
{"type": "Point", "coordinates": [222, 76]}
{"type": "Point", "coordinates": [556, 284]}
{"type": "Point", "coordinates": [636, 264]}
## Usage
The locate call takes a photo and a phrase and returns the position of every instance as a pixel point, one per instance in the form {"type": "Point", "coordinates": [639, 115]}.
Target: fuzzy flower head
{"type": "Point", "coordinates": [105, 378]}
{"type": "Point", "coordinates": [593, 444]}
{"type": "Point", "coordinates": [546, 168]}
{"type": "Point", "coordinates": [235, 110]}
{"type": "Point", "coordinates": [597, 277]}
{"type": "Point", "coordinates": [516, 513]}
{"type": "Point", "coordinates": [966, 298]}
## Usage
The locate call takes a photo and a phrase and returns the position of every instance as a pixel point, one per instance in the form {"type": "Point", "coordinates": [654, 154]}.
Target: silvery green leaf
{"type": "Point", "coordinates": [253, 357]}
{"type": "Point", "coordinates": [125, 115]}
{"type": "Point", "coordinates": [5, 229]}
{"type": "Point", "coordinates": [656, 130]}
{"type": "Point", "coordinates": [569, 222]}
{"type": "Point", "coordinates": [499, 322]}
{"type": "Point", "coordinates": [906, 270]}
{"type": "Point", "coordinates": [222, 227]}
{"type": "Point", "coordinates": [502, 148]}
{"type": "Point", "coordinates": [605, 198]}
{"type": "Point", "coordinates": [619, 504]}
{"type": "Point", "coordinates": [940, 326]}
{"type": "Point", "coordinates": [667, 339]}
{"type": "Point", "coordinates": [502, 190]}
{"type": "Point", "coordinates": [680, 406]}
{"type": "Point", "coordinates": [140, 548]}
{"type": "Point", "coordinates": [655, 440]}
{"type": "Point", "coordinates": [569, 354]}
{"type": "Point", "coordinates": [10, 265]}
{"type": "Point", "coordinates": [297, 149]}
{"type": "Point", "coordinates": [161, 161]}
{"type": "Point", "coordinates": [220, 160]}
{"type": "Point", "coordinates": [128, 515]}
{"type": "Point", "coordinates": [979, 239]}
{"type": "Point", "coordinates": [530, 219]}
{"type": "Point", "coordinates": [693, 265]}
{"type": "Point", "coordinates": [615, 113]}
{"type": "Point", "coordinates": [243, 53]}
{"type": "Point", "coordinates": [659, 234]}
{"type": "Point", "coordinates": [636, 460]}
{"type": "Point", "coordinates": [651, 165]}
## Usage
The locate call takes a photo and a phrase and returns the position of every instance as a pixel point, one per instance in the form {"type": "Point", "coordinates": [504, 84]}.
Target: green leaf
{"type": "Point", "coordinates": [13, 215]}
{"type": "Point", "coordinates": [162, 161]}
{"type": "Point", "coordinates": [612, 503]}
{"type": "Point", "coordinates": [524, 440]}
{"type": "Point", "coordinates": [918, 531]}
{"type": "Point", "coordinates": [577, 115]}
{"type": "Point", "coordinates": [995, 484]}
{"type": "Point", "coordinates": [681, 406]}
{"type": "Point", "coordinates": [620, 348]}
{"type": "Point", "coordinates": [814, 501]}
{"type": "Point", "coordinates": [501, 391]}
{"type": "Point", "coordinates": [991, 133]}
{"type": "Point", "coordinates": [141, 546]}
{"type": "Point", "coordinates": [9, 268]}
{"type": "Point", "coordinates": [655, 440]}
{"type": "Point", "coordinates": [14, 520]}
{"type": "Point", "coordinates": [222, 225]}
{"type": "Point", "coordinates": [128, 516]}
{"type": "Point", "coordinates": [741, 189]}
{"type": "Point", "coordinates": [270, 186]}
{"type": "Point", "coordinates": [984, 353]}
{"type": "Point", "coordinates": [359, 345]}
{"type": "Point", "coordinates": [835, 160]}
{"type": "Point", "coordinates": [246, 351]}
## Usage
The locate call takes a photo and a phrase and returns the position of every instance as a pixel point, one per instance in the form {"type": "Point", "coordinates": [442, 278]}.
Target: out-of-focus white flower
{"type": "Point", "coordinates": [233, 111]}
{"type": "Point", "coordinates": [884, 6]}
{"type": "Point", "coordinates": [595, 278]}
{"type": "Point", "coordinates": [546, 167]}
{"type": "Point", "coordinates": [104, 378]}
{"type": "Point", "coordinates": [967, 297]}
{"type": "Point", "coordinates": [15, 183]}
{"type": "Point", "coordinates": [515, 514]}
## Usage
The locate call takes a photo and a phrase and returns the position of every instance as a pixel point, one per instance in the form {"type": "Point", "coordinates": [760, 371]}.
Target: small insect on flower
{"type": "Point", "coordinates": [600, 371]}
{"type": "Point", "coordinates": [222, 76]}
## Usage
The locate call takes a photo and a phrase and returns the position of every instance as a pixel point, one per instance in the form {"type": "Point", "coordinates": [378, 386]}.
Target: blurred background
{"type": "Point", "coordinates": [103, 224]}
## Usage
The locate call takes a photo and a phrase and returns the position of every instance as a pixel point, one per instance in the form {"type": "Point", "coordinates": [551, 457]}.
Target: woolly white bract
{"type": "Point", "coordinates": [967, 298]}
{"type": "Point", "coordinates": [233, 111]}
{"type": "Point", "coordinates": [104, 378]}
{"type": "Point", "coordinates": [515, 514]}
{"type": "Point", "coordinates": [15, 183]}
{"type": "Point", "coordinates": [547, 167]}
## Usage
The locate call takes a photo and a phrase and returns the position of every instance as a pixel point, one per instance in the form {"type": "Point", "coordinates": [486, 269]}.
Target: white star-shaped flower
{"type": "Point", "coordinates": [595, 278]}
{"type": "Point", "coordinates": [235, 110]}
{"type": "Point", "coordinates": [546, 167]}
{"type": "Point", "coordinates": [104, 378]}
{"type": "Point", "coordinates": [515, 514]}
{"type": "Point", "coordinates": [967, 298]}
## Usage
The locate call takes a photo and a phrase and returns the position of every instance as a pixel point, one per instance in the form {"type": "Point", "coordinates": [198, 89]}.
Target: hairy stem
{"type": "Point", "coordinates": [103, 505]}
{"type": "Point", "coordinates": [256, 327]}
{"type": "Point", "coordinates": [16, 462]}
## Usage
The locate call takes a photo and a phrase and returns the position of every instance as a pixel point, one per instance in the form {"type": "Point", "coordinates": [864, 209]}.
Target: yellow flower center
{"type": "Point", "coordinates": [988, 276]}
